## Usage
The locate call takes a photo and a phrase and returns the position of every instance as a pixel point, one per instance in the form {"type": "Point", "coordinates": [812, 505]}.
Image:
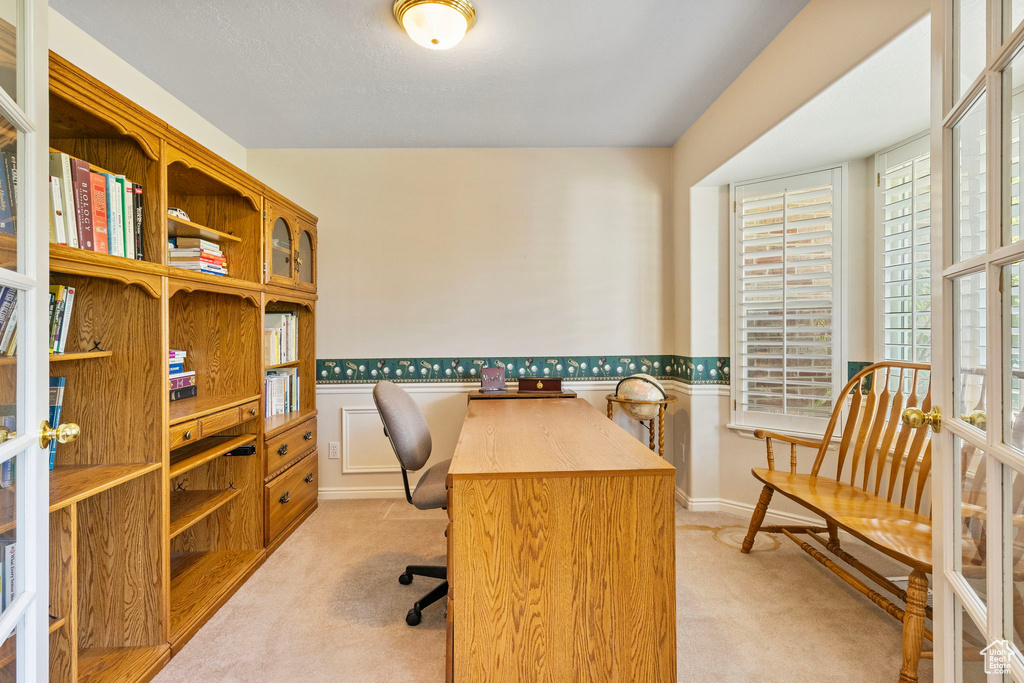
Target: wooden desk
{"type": "Point", "coordinates": [561, 548]}
{"type": "Point", "coordinates": [514, 393]}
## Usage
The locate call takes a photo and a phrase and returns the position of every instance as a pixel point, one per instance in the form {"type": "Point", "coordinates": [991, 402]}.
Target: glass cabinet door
{"type": "Point", "coordinates": [280, 247]}
{"type": "Point", "coordinates": [305, 266]}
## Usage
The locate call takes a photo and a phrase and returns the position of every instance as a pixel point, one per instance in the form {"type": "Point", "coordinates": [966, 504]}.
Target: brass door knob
{"type": "Point", "coordinates": [64, 433]}
{"type": "Point", "coordinates": [976, 418]}
{"type": "Point", "coordinates": [916, 418]}
{"type": "Point", "coordinates": [7, 434]}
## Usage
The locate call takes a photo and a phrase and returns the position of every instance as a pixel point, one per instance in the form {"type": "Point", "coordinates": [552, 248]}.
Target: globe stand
{"type": "Point", "coordinates": [613, 399]}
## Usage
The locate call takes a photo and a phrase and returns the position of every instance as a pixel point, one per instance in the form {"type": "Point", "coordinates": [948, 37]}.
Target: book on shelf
{"type": "Point", "coordinates": [280, 338]}
{"type": "Point", "coordinates": [62, 300]}
{"type": "Point", "coordinates": [180, 380]}
{"type": "Point", "coordinates": [281, 390]}
{"type": "Point", "coordinates": [9, 421]}
{"type": "Point", "coordinates": [56, 406]}
{"type": "Point", "coordinates": [60, 178]}
{"type": "Point", "coordinates": [101, 211]}
{"type": "Point", "coordinates": [115, 218]}
{"type": "Point", "coordinates": [8, 192]}
{"type": "Point", "coordinates": [58, 232]}
{"type": "Point", "coordinates": [7, 582]}
{"type": "Point", "coordinates": [184, 392]}
{"type": "Point", "coordinates": [8, 320]}
{"type": "Point", "coordinates": [98, 192]}
{"type": "Point", "coordinates": [175, 367]}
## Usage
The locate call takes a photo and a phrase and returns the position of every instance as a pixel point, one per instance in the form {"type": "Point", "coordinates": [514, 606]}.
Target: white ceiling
{"type": "Point", "coordinates": [881, 101]}
{"type": "Point", "coordinates": [530, 73]}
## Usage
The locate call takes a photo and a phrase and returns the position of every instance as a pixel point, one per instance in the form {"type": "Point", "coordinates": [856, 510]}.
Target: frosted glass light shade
{"type": "Point", "coordinates": [435, 25]}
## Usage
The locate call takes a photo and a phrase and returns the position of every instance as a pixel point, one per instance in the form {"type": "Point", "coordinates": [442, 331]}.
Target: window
{"type": "Point", "coordinates": [788, 362]}
{"type": "Point", "coordinates": [904, 239]}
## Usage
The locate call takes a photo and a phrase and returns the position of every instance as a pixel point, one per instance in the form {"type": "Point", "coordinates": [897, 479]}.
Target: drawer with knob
{"type": "Point", "coordinates": [184, 433]}
{"type": "Point", "coordinates": [287, 446]}
{"type": "Point", "coordinates": [289, 495]}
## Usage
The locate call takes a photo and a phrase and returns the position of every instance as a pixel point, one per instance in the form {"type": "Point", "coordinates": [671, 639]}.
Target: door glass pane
{"type": "Point", "coordinates": [1013, 13]}
{"type": "Point", "coordinates": [970, 641]}
{"type": "Point", "coordinates": [1013, 80]}
{"type": "Point", "coordinates": [969, 347]}
{"type": "Point", "coordinates": [305, 263]}
{"type": "Point", "coordinates": [972, 475]}
{"type": "Point", "coordinates": [970, 184]}
{"type": "Point", "coordinates": [9, 47]}
{"type": "Point", "coordinates": [281, 249]}
{"type": "Point", "coordinates": [1014, 525]}
{"type": "Point", "coordinates": [969, 20]}
{"type": "Point", "coordinates": [1013, 342]}
{"type": "Point", "coordinates": [10, 307]}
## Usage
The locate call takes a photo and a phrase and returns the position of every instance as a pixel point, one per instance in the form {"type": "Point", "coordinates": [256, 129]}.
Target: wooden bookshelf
{"type": "Point", "coordinates": [150, 531]}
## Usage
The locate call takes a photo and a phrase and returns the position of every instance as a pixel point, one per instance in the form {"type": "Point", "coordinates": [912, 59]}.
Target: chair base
{"type": "Point", "coordinates": [440, 591]}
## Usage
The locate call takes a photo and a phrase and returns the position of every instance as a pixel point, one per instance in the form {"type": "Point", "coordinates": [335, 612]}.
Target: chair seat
{"type": "Point", "coordinates": [894, 530]}
{"type": "Point", "coordinates": [431, 492]}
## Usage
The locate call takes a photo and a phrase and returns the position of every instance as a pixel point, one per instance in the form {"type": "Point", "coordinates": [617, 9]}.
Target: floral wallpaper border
{"type": "Point", "coordinates": [702, 370]}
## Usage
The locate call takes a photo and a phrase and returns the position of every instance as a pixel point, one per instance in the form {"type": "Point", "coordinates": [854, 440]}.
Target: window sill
{"type": "Point", "coordinates": [747, 432]}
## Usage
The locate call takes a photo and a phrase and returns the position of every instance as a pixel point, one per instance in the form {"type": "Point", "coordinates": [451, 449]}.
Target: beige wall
{"type": "Point", "coordinates": [463, 252]}
{"type": "Point", "coordinates": [485, 251]}
{"type": "Point", "coordinates": [81, 49]}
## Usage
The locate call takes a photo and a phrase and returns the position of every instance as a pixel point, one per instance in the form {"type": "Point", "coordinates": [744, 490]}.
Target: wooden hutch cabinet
{"type": "Point", "coordinates": [162, 509]}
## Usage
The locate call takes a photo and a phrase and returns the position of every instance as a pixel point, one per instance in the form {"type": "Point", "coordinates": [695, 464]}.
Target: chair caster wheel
{"type": "Point", "coordinates": [405, 579]}
{"type": "Point", "coordinates": [413, 617]}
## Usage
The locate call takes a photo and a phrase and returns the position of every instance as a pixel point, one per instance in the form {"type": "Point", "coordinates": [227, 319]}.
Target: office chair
{"type": "Point", "coordinates": [406, 428]}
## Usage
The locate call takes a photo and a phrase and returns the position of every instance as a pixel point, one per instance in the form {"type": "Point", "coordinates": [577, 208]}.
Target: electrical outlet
{"type": "Point", "coordinates": [335, 451]}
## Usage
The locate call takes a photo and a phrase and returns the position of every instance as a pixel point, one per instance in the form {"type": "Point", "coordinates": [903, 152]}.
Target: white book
{"type": "Point", "coordinates": [58, 232]}
{"type": "Point", "coordinates": [60, 166]}
{"type": "Point", "coordinates": [69, 301]}
{"type": "Point", "coordinates": [128, 218]}
{"type": "Point", "coordinates": [115, 226]}
{"type": "Point", "coordinates": [9, 583]}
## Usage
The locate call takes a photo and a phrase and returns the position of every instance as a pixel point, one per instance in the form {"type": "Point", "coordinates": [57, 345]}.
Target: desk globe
{"type": "Point", "coordinates": [641, 387]}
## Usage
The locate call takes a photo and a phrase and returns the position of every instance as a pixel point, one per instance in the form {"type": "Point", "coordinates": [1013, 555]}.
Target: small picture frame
{"type": "Point", "coordinates": [492, 379]}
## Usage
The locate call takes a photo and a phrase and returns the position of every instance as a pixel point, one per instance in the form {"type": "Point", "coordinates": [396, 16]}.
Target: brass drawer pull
{"type": "Point", "coordinates": [309, 478]}
{"type": "Point", "coordinates": [283, 449]}
{"type": "Point", "coordinates": [308, 435]}
{"type": "Point", "coordinates": [286, 497]}
{"type": "Point", "coordinates": [187, 435]}
{"type": "Point", "coordinates": [252, 412]}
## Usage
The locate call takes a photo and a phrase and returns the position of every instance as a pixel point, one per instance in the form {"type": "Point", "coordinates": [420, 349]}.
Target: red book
{"type": "Point", "coordinates": [98, 184]}
{"type": "Point", "coordinates": [82, 192]}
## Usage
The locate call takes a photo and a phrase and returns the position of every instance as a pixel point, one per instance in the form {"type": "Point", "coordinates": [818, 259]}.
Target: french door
{"type": "Point", "coordinates": [978, 339]}
{"type": "Point", "coordinates": [24, 302]}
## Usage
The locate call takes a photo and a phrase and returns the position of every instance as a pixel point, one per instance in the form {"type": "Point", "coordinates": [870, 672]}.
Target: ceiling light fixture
{"type": "Point", "coordinates": [435, 24]}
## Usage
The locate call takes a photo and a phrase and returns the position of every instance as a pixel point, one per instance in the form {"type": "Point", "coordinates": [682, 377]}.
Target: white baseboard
{"type": "Point", "coordinates": [741, 509]}
{"type": "Point", "coordinates": [357, 492]}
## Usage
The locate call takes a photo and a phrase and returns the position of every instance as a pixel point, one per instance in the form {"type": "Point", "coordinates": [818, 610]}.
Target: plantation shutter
{"type": "Point", "coordinates": [786, 285]}
{"type": "Point", "coordinates": [904, 188]}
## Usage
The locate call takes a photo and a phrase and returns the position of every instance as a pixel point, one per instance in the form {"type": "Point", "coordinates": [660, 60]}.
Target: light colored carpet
{"type": "Point", "coordinates": [327, 606]}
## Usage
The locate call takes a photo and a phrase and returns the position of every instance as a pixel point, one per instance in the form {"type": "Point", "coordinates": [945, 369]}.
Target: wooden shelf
{"type": "Point", "coordinates": [110, 664]}
{"type": "Point", "coordinates": [289, 364]}
{"type": "Point", "coordinates": [8, 360]}
{"type": "Point", "coordinates": [179, 227]}
{"type": "Point", "coordinates": [79, 355]}
{"type": "Point", "coordinates": [189, 507]}
{"type": "Point", "coordinates": [279, 423]}
{"type": "Point", "coordinates": [197, 406]}
{"type": "Point", "coordinates": [71, 483]}
{"type": "Point", "coordinates": [202, 452]}
{"type": "Point", "coordinates": [206, 281]}
{"type": "Point", "coordinates": [200, 581]}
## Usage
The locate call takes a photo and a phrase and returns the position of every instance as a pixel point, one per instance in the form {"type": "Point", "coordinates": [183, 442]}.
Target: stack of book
{"type": "Point", "coordinates": [281, 389]}
{"type": "Point", "coordinates": [195, 253]}
{"type": "Point", "coordinates": [182, 382]}
{"type": "Point", "coordinates": [280, 338]}
{"type": "Point", "coordinates": [92, 210]}
{"type": "Point", "coordinates": [61, 300]}
{"type": "Point", "coordinates": [8, 321]}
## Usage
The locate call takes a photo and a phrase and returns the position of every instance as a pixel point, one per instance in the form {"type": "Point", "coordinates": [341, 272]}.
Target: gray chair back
{"type": "Point", "coordinates": [404, 425]}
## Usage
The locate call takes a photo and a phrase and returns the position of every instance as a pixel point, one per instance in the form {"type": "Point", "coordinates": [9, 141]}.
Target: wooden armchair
{"type": "Point", "coordinates": [876, 494]}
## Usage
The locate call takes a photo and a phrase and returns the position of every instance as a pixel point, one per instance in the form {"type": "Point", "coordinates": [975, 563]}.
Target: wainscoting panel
{"type": "Point", "coordinates": [364, 448]}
